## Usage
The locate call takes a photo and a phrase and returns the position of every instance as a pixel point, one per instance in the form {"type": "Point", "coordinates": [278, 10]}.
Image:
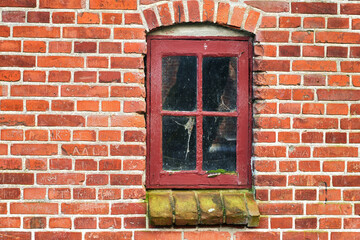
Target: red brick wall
{"type": "Point", "coordinates": [73, 130]}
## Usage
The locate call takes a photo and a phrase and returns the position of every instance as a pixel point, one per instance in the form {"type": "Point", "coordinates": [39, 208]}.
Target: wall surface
{"type": "Point", "coordinates": [72, 101]}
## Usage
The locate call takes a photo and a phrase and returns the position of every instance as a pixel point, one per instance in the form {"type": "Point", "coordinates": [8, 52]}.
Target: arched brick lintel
{"type": "Point", "coordinates": [233, 15]}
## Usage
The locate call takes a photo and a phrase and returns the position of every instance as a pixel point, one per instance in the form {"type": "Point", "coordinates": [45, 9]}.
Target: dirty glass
{"type": "Point", "coordinates": [219, 143]}
{"type": "Point", "coordinates": [179, 143]}
{"type": "Point", "coordinates": [219, 84]}
{"type": "Point", "coordinates": [179, 74]}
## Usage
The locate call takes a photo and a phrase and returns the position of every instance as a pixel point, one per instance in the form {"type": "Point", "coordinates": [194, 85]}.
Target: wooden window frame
{"type": "Point", "coordinates": [240, 47]}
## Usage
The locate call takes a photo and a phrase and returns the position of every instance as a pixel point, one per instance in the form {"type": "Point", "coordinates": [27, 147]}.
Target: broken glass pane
{"type": "Point", "coordinates": [179, 143]}
{"type": "Point", "coordinates": [219, 84]}
{"type": "Point", "coordinates": [219, 143]}
{"type": "Point", "coordinates": [179, 74]}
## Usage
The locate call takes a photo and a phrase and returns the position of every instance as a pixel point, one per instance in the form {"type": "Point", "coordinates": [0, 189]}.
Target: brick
{"type": "Point", "coordinates": [281, 208]}
{"type": "Point", "coordinates": [110, 106]}
{"type": "Point", "coordinates": [36, 32]}
{"type": "Point", "coordinates": [60, 61]}
{"type": "Point", "coordinates": [319, 66]}
{"type": "Point", "coordinates": [60, 223]}
{"type": "Point", "coordinates": [289, 137]}
{"type": "Point", "coordinates": [340, 52]}
{"type": "Point", "coordinates": [10, 46]}
{"type": "Point", "coordinates": [61, 120]}
{"type": "Point", "coordinates": [109, 135]}
{"type": "Point", "coordinates": [133, 18]}
{"type": "Point", "coordinates": [127, 62]}
{"type": "Point", "coordinates": [305, 194]}
{"type": "Point", "coordinates": [75, 4]}
{"type": "Point", "coordinates": [350, 9]}
{"type": "Point", "coordinates": [333, 166]}
{"type": "Point", "coordinates": [59, 76]}
{"type": "Point", "coordinates": [272, 65]}
{"type": "Point", "coordinates": [10, 222]}
{"type": "Point", "coordinates": [337, 37]}
{"type": "Point", "coordinates": [335, 152]}
{"type": "Point", "coordinates": [86, 32]}
{"type": "Point", "coordinates": [18, 3]}
{"type": "Point", "coordinates": [272, 36]}
{"type": "Point", "coordinates": [159, 235]}
{"type": "Point", "coordinates": [62, 105]}
{"type": "Point", "coordinates": [36, 135]}
{"type": "Point", "coordinates": [134, 193]}
{"type": "Point", "coordinates": [251, 21]}
{"type": "Point", "coordinates": [11, 105]}
{"type": "Point", "coordinates": [60, 178]}
{"type": "Point", "coordinates": [37, 105]}
{"type": "Point", "coordinates": [129, 33]}
{"type": "Point", "coordinates": [34, 193]}
{"type": "Point", "coordinates": [265, 166]}
{"type": "Point", "coordinates": [108, 235]}
{"type": "Point", "coordinates": [308, 180]}
{"type": "Point", "coordinates": [338, 80]}
{"type": "Point", "coordinates": [124, 91]}
{"type": "Point", "coordinates": [85, 76]}
{"type": "Point", "coordinates": [354, 138]}
{"type": "Point", "coordinates": [112, 18]}
{"type": "Point", "coordinates": [208, 10]}
{"type": "Point", "coordinates": [303, 94]}
{"type": "Point", "coordinates": [58, 235]}
{"type": "Point", "coordinates": [135, 48]}
{"type": "Point", "coordinates": [36, 164]}
{"type": "Point", "coordinates": [108, 77]}
{"type": "Point", "coordinates": [237, 16]}
{"type": "Point", "coordinates": [34, 222]}
{"type": "Point", "coordinates": [314, 8]}
{"type": "Point", "coordinates": [338, 95]}
{"type": "Point", "coordinates": [84, 91]}
{"type": "Point", "coordinates": [17, 61]}
{"type": "Point", "coordinates": [330, 223]}
{"type": "Point", "coordinates": [289, 22]}
{"type": "Point", "coordinates": [281, 223]}
{"type": "Point", "coordinates": [335, 137]}
{"type": "Point", "coordinates": [328, 209]}
{"type": "Point", "coordinates": [12, 134]}
{"type": "Point", "coordinates": [265, 108]}
{"type": "Point", "coordinates": [272, 94]}
{"type": "Point", "coordinates": [299, 152]}
{"type": "Point", "coordinates": [110, 47]}
{"type": "Point", "coordinates": [270, 180]}
{"type": "Point", "coordinates": [85, 208]}
{"type": "Point", "coordinates": [264, 136]}
{"type": "Point", "coordinates": [289, 51]}
{"type": "Point", "coordinates": [194, 11]}
{"type": "Point", "coordinates": [150, 18]}
{"type": "Point", "coordinates": [302, 37]}
{"type": "Point", "coordinates": [109, 194]}
{"type": "Point", "coordinates": [33, 208]}
{"type": "Point", "coordinates": [306, 223]}
{"type": "Point", "coordinates": [338, 23]}
{"type": "Point", "coordinates": [85, 47]}
{"type": "Point", "coordinates": [4, 31]}
{"type": "Point", "coordinates": [273, 7]}
{"type": "Point", "coordinates": [63, 17]}
{"type": "Point", "coordinates": [305, 235]}
{"type": "Point", "coordinates": [60, 164]}
{"type": "Point", "coordinates": [85, 164]}
{"type": "Point", "coordinates": [34, 149]}
{"type": "Point", "coordinates": [59, 193]}
{"type": "Point", "coordinates": [313, 108]}
{"type": "Point", "coordinates": [272, 122]}
{"type": "Point", "coordinates": [317, 123]}
{"type": "Point", "coordinates": [265, 79]}
{"type": "Point", "coordinates": [34, 76]}
{"type": "Point", "coordinates": [84, 150]}
{"type": "Point", "coordinates": [10, 164]}
{"type": "Point", "coordinates": [84, 193]}
{"type": "Point", "coordinates": [287, 166]}
{"type": "Point", "coordinates": [134, 165]}
{"type": "Point", "coordinates": [97, 62]}
{"type": "Point", "coordinates": [270, 151]}
{"type": "Point", "coordinates": [125, 179]}
{"type": "Point", "coordinates": [268, 22]}
{"type": "Point", "coordinates": [88, 18]}
{"type": "Point", "coordinates": [314, 22]}
{"type": "Point", "coordinates": [84, 135]}
{"type": "Point", "coordinates": [35, 46]}
{"type": "Point", "coordinates": [13, 16]}
{"type": "Point", "coordinates": [114, 4]}
{"type": "Point", "coordinates": [38, 17]}
{"type": "Point", "coordinates": [110, 223]}
{"type": "Point", "coordinates": [10, 75]}
{"type": "Point", "coordinates": [353, 123]}
{"type": "Point", "coordinates": [85, 223]}
{"type": "Point", "coordinates": [9, 193]}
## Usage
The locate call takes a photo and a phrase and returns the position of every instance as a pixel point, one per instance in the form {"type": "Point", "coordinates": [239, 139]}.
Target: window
{"type": "Point", "coordinates": [199, 112]}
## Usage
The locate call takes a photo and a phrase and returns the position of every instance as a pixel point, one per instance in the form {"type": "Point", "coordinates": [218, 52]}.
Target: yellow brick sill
{"type": "Point", "coordinates": [207, 207]}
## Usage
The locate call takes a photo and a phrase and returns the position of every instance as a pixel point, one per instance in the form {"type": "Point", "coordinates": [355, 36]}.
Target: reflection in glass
{"type": "Point", "coordinates": [219, 84]}
{"type": "Point", "coordinates": [179, 143]}
{"type": "Point", "coordinates": [219, 143]}
{"type": "Point", "coordinates": [179, 83]}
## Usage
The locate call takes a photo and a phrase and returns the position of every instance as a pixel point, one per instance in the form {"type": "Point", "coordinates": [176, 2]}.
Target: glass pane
{"type": "Point", "coordinates": [179, 143]}
{"type": "Point", "coordinates": [179, 74]}
{"type": "Point", "coordinates": [219, 84]}
{"type": "Point", "coordinates": [219, 143]}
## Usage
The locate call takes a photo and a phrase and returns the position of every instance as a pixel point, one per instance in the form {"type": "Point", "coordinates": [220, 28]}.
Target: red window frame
{"type": "Point", "coordinates": [240, 47]}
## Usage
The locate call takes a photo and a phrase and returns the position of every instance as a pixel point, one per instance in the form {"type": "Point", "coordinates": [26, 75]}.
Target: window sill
{"type": "Point", "coordinates": [202, 207]}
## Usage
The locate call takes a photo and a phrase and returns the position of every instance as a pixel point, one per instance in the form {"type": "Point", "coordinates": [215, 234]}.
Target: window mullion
{"type": "Point", "coordinates": [199, 118]}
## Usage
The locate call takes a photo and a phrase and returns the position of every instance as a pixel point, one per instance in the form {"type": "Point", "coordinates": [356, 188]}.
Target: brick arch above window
{"type": "Point", "coordinates": [234, 15]}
